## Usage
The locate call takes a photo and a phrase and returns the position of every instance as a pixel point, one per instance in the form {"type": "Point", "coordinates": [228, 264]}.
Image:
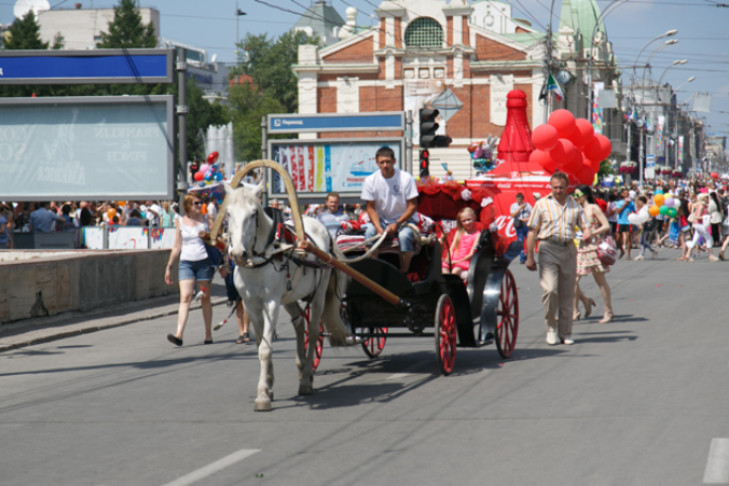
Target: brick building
{"type": "Point", "coordinates": [459, 57]}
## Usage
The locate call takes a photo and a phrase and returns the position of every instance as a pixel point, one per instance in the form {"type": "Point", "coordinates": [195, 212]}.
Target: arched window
{"type": "Point", "coordinates": [424, 32]}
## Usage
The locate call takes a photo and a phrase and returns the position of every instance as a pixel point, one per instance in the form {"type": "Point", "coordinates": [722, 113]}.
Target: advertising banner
{"type": "Point", "coordinates": [79, 148]}
{"type": "Point", "coordinates": [321, 166]}
{"type": "Point", "coordinates": [503, 191]}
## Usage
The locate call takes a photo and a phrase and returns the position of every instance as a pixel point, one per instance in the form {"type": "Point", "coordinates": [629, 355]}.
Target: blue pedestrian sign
{"type": "Point", "coordinates": [337, 122]}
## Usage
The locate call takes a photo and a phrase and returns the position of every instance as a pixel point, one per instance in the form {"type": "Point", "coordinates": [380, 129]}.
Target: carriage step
{"type": "Point", "coordinates": [349, 340]}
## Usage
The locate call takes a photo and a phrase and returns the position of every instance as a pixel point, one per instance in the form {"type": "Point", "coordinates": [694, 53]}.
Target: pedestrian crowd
{"type": "Point", "coordinates": [52, 216]}
{"type": "Point", "coordinates": [570, 231]}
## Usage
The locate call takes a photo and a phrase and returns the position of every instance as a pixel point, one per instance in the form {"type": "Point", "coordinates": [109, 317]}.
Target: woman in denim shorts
{"type": "Point", "coordinates": [193, 267]}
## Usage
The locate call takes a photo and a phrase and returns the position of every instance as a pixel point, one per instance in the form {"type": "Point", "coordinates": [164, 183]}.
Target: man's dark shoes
{"type": "Point", "coordinates": [174, 340]}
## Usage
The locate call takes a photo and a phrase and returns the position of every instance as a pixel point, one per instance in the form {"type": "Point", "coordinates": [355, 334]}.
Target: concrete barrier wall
{"type": "Point", "coordinates": [78, 280]}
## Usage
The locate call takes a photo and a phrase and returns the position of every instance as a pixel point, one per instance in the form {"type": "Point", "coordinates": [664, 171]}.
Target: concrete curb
{"type": "Point", "coordinates": [42, 330]}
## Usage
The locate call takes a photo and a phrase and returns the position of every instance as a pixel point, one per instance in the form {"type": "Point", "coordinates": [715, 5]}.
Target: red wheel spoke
{"type": "Point", "coordinates": [445, 323]}
{"type": "Point", "coordinates": [374, 340]}
{"type": "Point", "coordinates": [508, 316]}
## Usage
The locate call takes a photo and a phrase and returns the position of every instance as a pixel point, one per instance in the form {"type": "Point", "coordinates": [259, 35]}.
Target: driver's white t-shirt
{"type": "Point", "coordinates": [391, 195]}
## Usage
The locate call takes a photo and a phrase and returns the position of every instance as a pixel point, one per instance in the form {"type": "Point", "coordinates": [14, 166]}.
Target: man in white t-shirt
{"type": "Point", "coordinates": [153, 213]}
{"type": "Point", "coordinates": [392, 199]}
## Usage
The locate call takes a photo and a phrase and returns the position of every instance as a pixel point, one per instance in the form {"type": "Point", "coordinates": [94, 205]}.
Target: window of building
{"type": "Point", "coordinates": [424, 32]}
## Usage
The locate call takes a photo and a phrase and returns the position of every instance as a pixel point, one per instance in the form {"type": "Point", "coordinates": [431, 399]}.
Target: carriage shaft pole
{"type": "Point", "coordinates": [366, 282]}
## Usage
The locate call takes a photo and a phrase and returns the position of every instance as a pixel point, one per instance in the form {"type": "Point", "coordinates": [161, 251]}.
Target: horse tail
{"type": "Point", "coordinates": [332, 314]}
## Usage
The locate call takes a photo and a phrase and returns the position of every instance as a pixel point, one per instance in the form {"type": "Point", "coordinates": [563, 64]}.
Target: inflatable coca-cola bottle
{"type": "Point", "coordinates": [516, 139]}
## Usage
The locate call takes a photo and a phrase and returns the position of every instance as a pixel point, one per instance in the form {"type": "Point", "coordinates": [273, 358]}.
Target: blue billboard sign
{"type": "Point", "coordinates": [94, 66]}
{"type": "Point", "coordinates": [336, 122]}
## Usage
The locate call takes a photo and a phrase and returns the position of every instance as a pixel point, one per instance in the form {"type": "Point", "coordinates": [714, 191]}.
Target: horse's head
{"type": "Point", "coordinates": [243, 210]}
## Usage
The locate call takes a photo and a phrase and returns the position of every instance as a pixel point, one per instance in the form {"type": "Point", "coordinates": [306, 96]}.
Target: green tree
{"type": "Point", "coordinates": [25, 34]}
{"type": "Point", "coordinates": [269, 64]}
{"type": "Point", "coordinates": [58, 41]}
{"type": "Point", "coordinates": [248, 105]}
{"type": "Point", "coordinates": [201, 114]}
{"type": "Point", "coordinates": [127, 29]}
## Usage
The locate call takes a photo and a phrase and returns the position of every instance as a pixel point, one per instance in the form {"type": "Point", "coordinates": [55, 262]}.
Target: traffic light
{"type": "Point", "coordinates": [194, 167]}
{"type": "Point", "coordinates": [428, 127]}
{"type": "Point", "coordinates": [424, 163]}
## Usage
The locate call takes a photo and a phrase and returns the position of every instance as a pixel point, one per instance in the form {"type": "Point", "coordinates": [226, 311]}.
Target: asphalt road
{"type": "Point", "coordinates": [641, 401]}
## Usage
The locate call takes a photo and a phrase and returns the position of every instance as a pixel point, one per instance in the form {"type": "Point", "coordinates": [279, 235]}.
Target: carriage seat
{"type": "Point", "coordinates": [352, 234]}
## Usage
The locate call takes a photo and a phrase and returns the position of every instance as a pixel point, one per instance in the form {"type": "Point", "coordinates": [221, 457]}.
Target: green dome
{"type": "Point", "coordinates": [581, 16]}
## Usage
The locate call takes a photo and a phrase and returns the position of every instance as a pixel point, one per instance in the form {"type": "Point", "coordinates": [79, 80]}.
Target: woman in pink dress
{"type": "Point", "coordinates": [464, 244]}
{"type": "Point", "coordinates": [587, 260]}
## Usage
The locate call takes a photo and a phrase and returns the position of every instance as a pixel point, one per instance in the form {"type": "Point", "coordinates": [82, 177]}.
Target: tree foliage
{"type": "Point", "coordinates": [269, 63]}
{"type": "Point", "coordinates": [248, 105]}
{"type": "Point", "coordinates": [24, 33]}
{"type": "Point", "coordinates": [127, 29]}
{"type": "Point", "coordinates": [201, 114]}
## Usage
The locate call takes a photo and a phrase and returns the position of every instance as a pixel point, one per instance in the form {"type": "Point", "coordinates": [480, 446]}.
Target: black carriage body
{"type": "Point", "coordinates": [476, 304]}
{"type": "Point", "coordinates": [367, 310]}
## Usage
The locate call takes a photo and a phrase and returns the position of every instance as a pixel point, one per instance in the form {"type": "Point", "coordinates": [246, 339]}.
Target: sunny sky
{"type": "Point", "coordinates": [703, 36]}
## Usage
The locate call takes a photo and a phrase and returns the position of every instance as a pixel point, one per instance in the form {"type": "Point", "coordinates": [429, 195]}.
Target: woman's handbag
{"type": "Point", "coordinates": [607, 251]}
{"type": "Point", "coordinates": [215, 257]}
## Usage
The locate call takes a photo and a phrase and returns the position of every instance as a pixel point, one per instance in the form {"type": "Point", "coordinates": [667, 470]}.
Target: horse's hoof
{"type": "Point", "coordinates": [262, 406]}
{"type": "Point", "coordinates": [306, 390]}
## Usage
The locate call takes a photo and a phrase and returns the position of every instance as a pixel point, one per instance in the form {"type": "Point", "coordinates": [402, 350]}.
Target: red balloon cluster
{"type": "Point", "coordinates": [569, 145]}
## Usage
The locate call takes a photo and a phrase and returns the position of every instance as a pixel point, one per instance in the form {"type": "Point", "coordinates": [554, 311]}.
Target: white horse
{"type": "Point", "coordinates": [268, 278]}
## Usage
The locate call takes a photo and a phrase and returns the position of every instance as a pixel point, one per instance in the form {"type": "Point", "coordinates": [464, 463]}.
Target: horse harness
{"type": "Point", "coordinates": [280, 248]}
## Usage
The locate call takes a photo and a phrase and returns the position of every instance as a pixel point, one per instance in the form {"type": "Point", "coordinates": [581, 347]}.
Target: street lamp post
{"type": "Point", "coordinates": [669, 42]}
{"type": "Point", "coordinates": [647, 66]}
{"type": "Point", "coordinates": [675, 63]}
{"type": "Point", "coordinates": [669, 33]}
{"type": "Point", "coordinates": [238, 14]}
{"type": "Point", "coordinates": [659, 104]}
{"type": "Point", "coordinates": [548, 62]}
{"type": "Point", "coordinates": [676, 117]}
{"type": "Point", "coordinates": [612, 6]}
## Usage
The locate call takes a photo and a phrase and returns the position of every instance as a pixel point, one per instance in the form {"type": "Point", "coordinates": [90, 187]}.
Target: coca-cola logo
{"type": "Point", "coordinates": [506, 226]}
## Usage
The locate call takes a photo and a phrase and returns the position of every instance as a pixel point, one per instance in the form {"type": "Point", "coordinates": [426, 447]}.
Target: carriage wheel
{"type": "Point", "coordinates": [319, 342]}
{"type": "Point", "coordinates": [508, 315]}
{"type": "Point", "coordinates": [374, 341]}
{"type": "Point", "coordinates": [445, 334]}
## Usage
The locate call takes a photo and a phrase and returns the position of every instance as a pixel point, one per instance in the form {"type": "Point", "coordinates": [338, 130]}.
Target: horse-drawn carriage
{"type": "Point", "coordinates": [375, 303]}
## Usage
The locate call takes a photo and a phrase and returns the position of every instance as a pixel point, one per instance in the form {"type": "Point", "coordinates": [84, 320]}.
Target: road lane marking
{"type": "Point", "coordinates": [397, 376]}
{"type": "Point", "coordinates": [212, 468]}
{"type": "Point", "coordinates": [717, 465]}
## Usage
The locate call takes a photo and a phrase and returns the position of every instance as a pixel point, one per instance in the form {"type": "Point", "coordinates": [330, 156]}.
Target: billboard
{"type": "Point", "coordinates": [77, 148]}
{"type": "Point", "coordinates": [90, 66]}
{"type": "Point", "coordinates": [320, 166]}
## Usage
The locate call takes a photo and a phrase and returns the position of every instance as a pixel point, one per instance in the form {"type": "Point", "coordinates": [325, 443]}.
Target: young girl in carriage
{"type": "Point", "coordinates": [464, 243]}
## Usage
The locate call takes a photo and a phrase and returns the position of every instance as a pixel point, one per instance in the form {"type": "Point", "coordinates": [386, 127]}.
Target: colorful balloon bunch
{"type": "Point", "coordinates": [569, 145]}
{"type": "Point", "coordinates": [664, 204]}
{"type": "Point", "coordinates": [482, 155]}
{"type": "Point", "coordinates": [209, 172]}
